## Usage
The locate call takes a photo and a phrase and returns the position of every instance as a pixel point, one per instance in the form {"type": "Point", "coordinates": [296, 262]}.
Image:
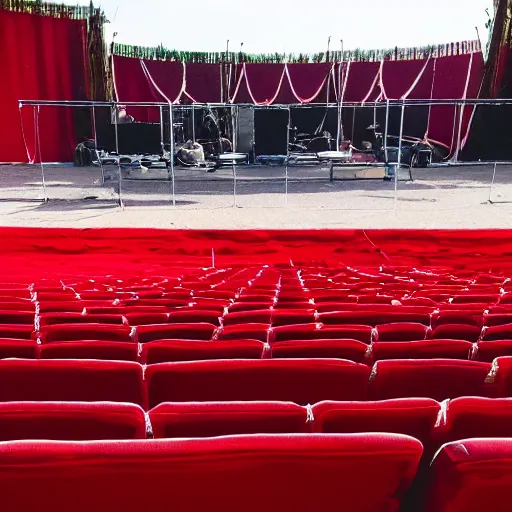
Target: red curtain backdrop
{"type": "Point", "coordinates": [454, 77]}
{"type": "Point", "coordinates": [43, 58]}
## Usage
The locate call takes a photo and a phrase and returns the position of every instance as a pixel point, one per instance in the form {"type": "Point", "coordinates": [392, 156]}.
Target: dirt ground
{"type": "Point", "coordinates": [441, 197]}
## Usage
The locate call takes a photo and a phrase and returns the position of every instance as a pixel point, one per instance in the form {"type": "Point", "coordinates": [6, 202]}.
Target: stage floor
{"type": "Point", "coordinates": [454, 197]}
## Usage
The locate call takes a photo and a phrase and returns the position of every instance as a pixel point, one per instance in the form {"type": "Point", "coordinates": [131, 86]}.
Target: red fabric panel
{"type": "Point", "coordinates": [308, 80]}
{"type": "Point", "coordinates": [43, 58]}
{"type": "Point", "coordinates": [203, 82]}
{"type": "Point", "coordinates": [398, 76]}
{"type": "Point", "coordinates": [272, 473]}
{"type": "Point", "coordinates": [263, 82]}
{"type": "Point", "coordinates": [131, 84]}
{"type": "Point", "coordinates": [423, 88]}
{"type": "Point", "coordinates": [449, 83]}
{"type": "Point", "coordinates": [361, 78]}
{"type": "Point", "coordinates": [168, 77]}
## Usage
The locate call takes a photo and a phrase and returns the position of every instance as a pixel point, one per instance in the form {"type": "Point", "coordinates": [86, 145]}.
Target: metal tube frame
{"type": "Point", "coordinates": [288, 126]}
{"type": "Point", "coordinates": [119, 172]}
{"type": "Point", "coordinates": [37, 143]}
{"type": "Point", "coordinates": [171, 151]}
{"type": "Point", "coordinates": [395, 200]}
{"type": "Point", "coordinates": [96, 146]}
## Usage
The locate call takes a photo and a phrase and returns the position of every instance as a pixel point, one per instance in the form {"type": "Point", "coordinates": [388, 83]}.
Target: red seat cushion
{"type": "Point", "coordinates": [146, 333]}
{"type": "Point", "coordinates": [210, 419]}
{"type": "Point", "coordinates": [103, 350]}
{"type": "Point", "coordinates": [426, 349]}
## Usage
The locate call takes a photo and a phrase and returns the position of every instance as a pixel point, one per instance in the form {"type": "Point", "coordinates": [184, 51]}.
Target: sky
{"type": "Point", "coordinates": [293, 26]}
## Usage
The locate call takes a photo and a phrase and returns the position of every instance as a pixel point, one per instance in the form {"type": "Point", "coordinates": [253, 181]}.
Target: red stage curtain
{"type": "Point", "coordinates": [450, 80]}
{"type": "Point", "coordinates": [361, 80]}
{"type": "Point", "coordinates": [203, 82]}
{"type": "Point", "coordinates": [43, 58]}
{"type": "Point", "coordinates": [308, 81]}
{"type": "Point", "coordinates": [398, 77]}
{"type": "Point", "coordinates": [132, 84]}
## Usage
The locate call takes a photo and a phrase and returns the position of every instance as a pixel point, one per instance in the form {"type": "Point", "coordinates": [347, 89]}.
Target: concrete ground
{"type": "Point", "coordinates": [441, 197]}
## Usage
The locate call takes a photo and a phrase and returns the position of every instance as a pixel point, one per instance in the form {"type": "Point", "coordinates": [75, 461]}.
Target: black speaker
{"type": "Point", "coordinates": [245, 132]}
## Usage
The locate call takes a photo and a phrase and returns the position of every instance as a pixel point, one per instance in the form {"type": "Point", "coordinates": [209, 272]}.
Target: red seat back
{"type": "Point", "coordinates": [210, 419]}
{"type": "Point", "coordinates": [328, 473]}
{"type": "Point", "coordinates": [301, 381]}
{"type": "Point", "coordinates": [71, 421]}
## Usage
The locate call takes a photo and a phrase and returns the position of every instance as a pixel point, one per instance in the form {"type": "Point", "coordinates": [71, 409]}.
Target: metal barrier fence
{"type": "Point", "coordinates": [252, 186]}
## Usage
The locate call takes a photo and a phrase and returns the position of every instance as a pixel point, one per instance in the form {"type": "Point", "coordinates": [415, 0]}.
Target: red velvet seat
{"type": "Point", "coordinates": [189, 350]}
{"type": "Point", "coordinates": [249, 306]}
{"type": "Point", "coordinates": [469, 417]}
{"type": "Point", "coordinates": [18, 332]}
{"type": "Point", "coordinates": [71, 421]}
{"type": "Point", "coordinates": [21, 349]}
{"type": "Point", "coordinates": [210, 419]}
{"type": "Point", "coordinates": [319, 331]}
{"type": "Point", "coordinates": [256, 331]}
{"type": "Point", "coordinates": [494, 320]}
{"type": "Point", "coordinates": [472, 475]}
{"type": "Point", "coordinates": [301, 381]}
{"type": "Point", "coordinates": [379, 315]}
{"type": "Point", "coordinates": [16, 317]}
{"type": "Point", "coordinates": [401, 332]}
{"type": "Point", "coordinates": [499, 332]}
{"type": "Point", "coordinates": [83, 332]}
{"type": "Point", "coordinates": [488, 351]}
{"type": "Point", "coordinates": [136, 319]}
{"type": "Point", "coordinates": [103, 350]}
{"type": "Point", "coordinates": [456, 332]}
{"type": "Point", "coordinates": [292, 316]}
{"type": "Point", "coordinates": [193, 316]}
{"type": "Point", "coordinates": [257, 316]}
{"type": "Point", "coordinates": [146, 333]}
{"type": "Point", "coordinates": [436, 378]}
{"type": "Point", "coordinates": [415, 417]}
{"type": "Point", "coordinates": [426, 349]}
{"type": "Point", "coordinates": [328, 473]}
{"type": "Point", "coordinates": [47, 319]}
{"type": "Point", "coordinates": [70, 380]}
{"type": "Point", "coordinates": [351, 350]}
{"type": "Point", "coordinates": [458, 317]}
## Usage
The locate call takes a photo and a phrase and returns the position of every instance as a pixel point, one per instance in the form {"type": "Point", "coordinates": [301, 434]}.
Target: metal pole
{"type": "Point", "coordinates": [399, 155]}
{"type": "Point", "coordinates": [457, 149]}
{"type": "Point", "coordinates": [161, 128]}
{"type": "Point", "coordinates": [37, 143]}
{"type": "Point", "coordinates": [119, 173]}
{"type": "Point", "coordinates": [492, 182]}
{"type": "Point", "coordinates": [386, 132]}
{"type": "Point", "coordinates": [287, 156]}
{"type": "Point", "coordinates": [233, 168]}
{"type": "Point", "coordinates": [353, 122]}
{"type": "Point", "coordinates": [96, 146]}
{"type": "Point", "coordinates": [193, 124]}
{"type": "Point", "coordinates": [171, 150]}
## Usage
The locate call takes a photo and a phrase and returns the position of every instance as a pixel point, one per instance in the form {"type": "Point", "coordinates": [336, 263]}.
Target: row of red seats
{"type": "Point", "coordinates": [427, 420]}
{"type": "Point", "coordinates": [190, 350]}
{"type": "Point", "coordinates": [360, 472]}
{"type": "Point", "coordinates": [396, 332]}
{"type": "Point", "coordinates": [303, 381]}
